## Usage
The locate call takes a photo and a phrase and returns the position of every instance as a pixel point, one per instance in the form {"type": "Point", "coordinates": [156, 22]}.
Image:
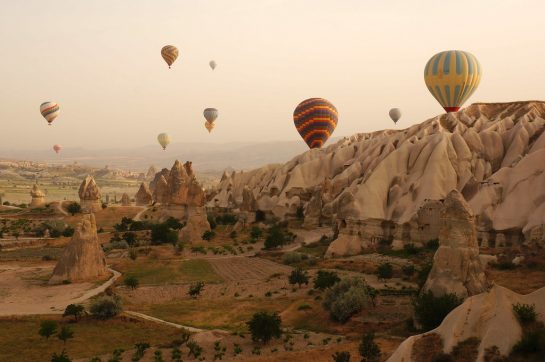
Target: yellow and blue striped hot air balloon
{"type": "Point", "coordinates": [451, 77]}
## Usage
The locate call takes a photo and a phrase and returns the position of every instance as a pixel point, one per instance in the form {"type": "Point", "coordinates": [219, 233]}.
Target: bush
{"type": "Point", "coordinates": [259, 216]}
{"type": "Point", "coordinates": [264, 326]}
{"type": "Point", "coordinates": [62, 357]}
{"type": "Point", "coordinates": [47, 328]}
{"type": "Point", "coordinates": [291, 258]}
{"type": "Point", "coordinates": [430, 310]}
{"type": "Point", "coordinates": [325, 279]}
{"type": "Point", "coordinates": [256, 232]}
{"type": "Point", "coordinates": [162, 233]}
{"type": "Point", "coordinates": [408, 270]}
{"type": "Point", "coordinates": [68, 231]}
{"type": "Point", "coordinates": [131, 282]}
{"type": "Point", "coordinates": [194, 349]}
{"type": "Point", "coordinates": [385, 271]}
{"type": "Point", "coordinates": [411, 249]}
{"type": "Point", "coordinates": [233, 234]}
{"type": "Point", "coordinates": [532, 342]}
{"type": "Point", "coordinates": [298, 276]}
{"type": "Point", "coordinates": [55, 233]}
{"type": "Point", "coordinates": [346, 298]}
{"type": "Point", "coordinates": [226, 219]}
{"type": "Point", "coordinates": [173, 223]}
{"type": "Point", "coordinates": [212, 221]}
{"type": "Point", "coordinates": [343, 356]}
{"type": "Point", "coordinates": [65, 334]}
{"type": "Point", "coordinates": [526, 313]}
{"type": "Point", "coordinates": [276, 237]}
{"type": "Point", "coordinates": [106, 307]}
{"type": "Point", "coordinates": [369, 350]}
{"type": "Point", "coordinates": [74, 208]}
{"type": "Point", "coordinates": [75, 310]}
{"type": "Point", "coordinates": [432, 244]}
{"type": "Point", "coordinates": [195, 289]}
{"type": "Point", "coordinates": [130, 238]}
{"type": "Point", "coordinates": [208, 235]}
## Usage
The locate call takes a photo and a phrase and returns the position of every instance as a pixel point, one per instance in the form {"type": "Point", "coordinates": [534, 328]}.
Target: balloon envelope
{"type": "Point", "coordinates": [209, 126]}
{"type": "Point", "coordinates": [57, 148]}
{"type": "Point", "coordinates": [169, 54]}
{"type": "Point", "coordinates": [395, 114]}
{"type": "Point", "coordinates": [210, 114]}
{"type": "Point", "coordinates": [164, 140]}
{"type": "Point", "coordinates": [50, 111]}
{"type": "Point", "coordinates": [212, 64]}
{"type": "Point", "coordinates": [315, 119]}
{"type": "Point", "coordinates": [451, 77]}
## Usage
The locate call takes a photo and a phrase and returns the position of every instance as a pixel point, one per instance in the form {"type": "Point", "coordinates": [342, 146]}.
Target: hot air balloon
{"type": "Point", "coordinates": [452, 77]}
{"type": "Point", "coordinates": [212, 64]}
{"type": "Point", "coordinates": [209, 126]}
{"type": "Point", "coordinates": [315, 120]}
{"type": "Point", "coordinates": [169, 54]}
{"type": "Point", "coordinates": [210, 114]}
{"type": "Point", "coordinates": [57, 148]}
{"type": "Point", "coordinates": [395, 114]}
{"type": "Point", "coordinates": [164, 140]}
{"type": "Point", "coordinates": [50, 111]}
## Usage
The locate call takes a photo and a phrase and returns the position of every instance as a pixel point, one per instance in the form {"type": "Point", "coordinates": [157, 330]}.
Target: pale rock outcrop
{"type": "Point", "coordinates": [164, 172]}
{"type": "Point", "coordinates": [160, 194]}
{"type": "Point", "coordinates": [38, 197]}
{"type": "Point", "coordinates": [83, 258]}
{"type": "Point", "coordinates": [487, 316]}
{"type": "Point", "coordinates": [151, 173]}
{"type": "Point", "coordinates": [125, 200]}
{"type": "Point", "coordinates": [196, 225]}
{"type": "Point", "coordinates": [457, 267]}
{"type": "Point", "coordinates": [89, 195]}
{"type": "Point", "coordinates": [143, 196]}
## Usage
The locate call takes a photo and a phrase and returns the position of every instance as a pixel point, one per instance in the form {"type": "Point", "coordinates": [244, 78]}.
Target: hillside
{"type": "Point", "coordinates": [493, 153]}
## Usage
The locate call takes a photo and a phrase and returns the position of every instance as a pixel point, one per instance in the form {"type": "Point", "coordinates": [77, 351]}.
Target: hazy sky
{"type": "Point", "coordinates": [100, 60]}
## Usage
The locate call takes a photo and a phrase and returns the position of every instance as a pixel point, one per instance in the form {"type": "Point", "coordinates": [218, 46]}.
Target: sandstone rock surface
{"type": "Point", "coordinates": [143, 196]}
{"type": "Point", "coordinates": [89, 195]}
{"type": "Point", "coordinates": [83, 258]}
{"type": "Point", "coordinates": [125, 200]}
{"type": "Point", "coordinates": [38, 197]}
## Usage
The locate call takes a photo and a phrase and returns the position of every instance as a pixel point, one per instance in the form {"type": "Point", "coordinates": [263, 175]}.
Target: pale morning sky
{"type": "Point", "coordinates": [100, 60]}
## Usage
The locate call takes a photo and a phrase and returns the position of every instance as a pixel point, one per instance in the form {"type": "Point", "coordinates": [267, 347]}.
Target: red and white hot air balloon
{"type": "Point", "coordinates": [57, 148]}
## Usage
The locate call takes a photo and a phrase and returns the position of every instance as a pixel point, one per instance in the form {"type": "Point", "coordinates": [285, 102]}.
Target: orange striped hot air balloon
{"type": "Point", "coordinates": [57, 148]}
{"type": "Point", "coordinates": [50, 111]}
{"type": "Point", "coordinates": [315, 119]}
{"type": "Point", "coordinates": [169, 54]}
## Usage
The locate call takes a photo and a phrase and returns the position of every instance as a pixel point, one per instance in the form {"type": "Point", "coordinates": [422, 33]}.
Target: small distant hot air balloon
{"type": "Point", "coordinates": [50, 111]}
{"type": "Point", "coordinates": [395, 114]}
{"type": "Point", "coordinates": [212, 64]}
{"type": "Point", "coordinates": [164, 140]}
{"type": "Point", "coordinates": [451, 77]}
{"type": "Point", "coordinates": [315, 120]}
{"type": "Point", "coordinates": [209, 126]}
{"type": "Point", "coordinates": [57, 148]}
{"type": "Point", "coordinates": [169, 54]}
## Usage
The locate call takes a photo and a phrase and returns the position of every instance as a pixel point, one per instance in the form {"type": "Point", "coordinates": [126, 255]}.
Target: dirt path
{"type": "Point", "coordinates": [160, 321]}
{"type": "Point", "coordinates": [139, 215]}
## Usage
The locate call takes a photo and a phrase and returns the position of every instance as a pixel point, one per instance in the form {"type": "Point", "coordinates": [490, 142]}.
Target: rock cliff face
{"type": "Point", "coordinates": [38, 197]}
{"type": "Point", "coordinates": [82, 259]}
{"type": "Point", "coordinates": [125, 200]}
{"type": "Point", "coordinates": [89, 195]}
{"type": "Point", "coordinates": [492, 153]}
{"type": "Point", "coordinates": [488, 316]}
{"type": "Point", "coordinates": [160, 194]}
{"type": "Point", "coordinates": [143, 196]}
{"type": "Point", "coordinates": [456, 265]}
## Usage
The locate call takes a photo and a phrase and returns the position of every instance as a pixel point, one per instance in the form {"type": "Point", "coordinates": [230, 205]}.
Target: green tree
{"type": "Point", "coordinates": [385, 271]}
{"type": "Point", "coordinates": [369, 350]}
{"type": "Point", "coordinates": [346, 298]}
{"type": "Point", "coordinates": [208, 235]}
{"type": "Point", "coordinates": [130, 238]}
{"type": "Point", "coordinates": [298, 276]}
{"type": "Point", "coordinates": [430, 310]}
{"type": "Point", "coordinates": [158, 356]}
{"type": "Point", "coordinates": [275, 238]}
{"type": "Point", "coordinates": [106, 307]}
{"type": "Point", "coordinates": [343, 356]}
{"type": "Point", "coordinates": [131, 282]}
{"type": "Point", "coordinates": [176, 355]}
{"type": "Point", "coordinates": [62, 357]}
{"type": "Point", "coordinates": [68, 231]}
{"type": "Point", "coordinates": [264, 326]}
{"type": "Point", "coordinates": [47, 328]}
{"type": "Point", "coordinates": [74, 208]}
{"type": "Point", "coordinates": [195, 289]}
{"type": "Point", "coordinates": [256, 232]}
{"type": "Point", "coordinates": [325, 279]}
{"type": "Point", "coordinates": [65, 334]}
{"type": "Point", "coordinates": [162, 233]}
{"type": "Point", "coordinates": [194, 349]}
{"type": "Point", "coordinates": [75, 310]}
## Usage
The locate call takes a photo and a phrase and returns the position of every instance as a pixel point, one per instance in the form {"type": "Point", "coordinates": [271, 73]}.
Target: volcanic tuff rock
{"type": "Point", "coordinates": [494, 154]}
{"type": "Point", "coordinates": [456, 265]}
{"type": "Point", "coordinates": [488, 316]}
{"type": "Point", "coordinates": [89, 195]}
{"type": "Point", "coordinates": [160, 194]}
{"type": "Point", "coordinates": [125, 200]}
{"type": "Point", "coordinates": [143, 196]}
{"type": "Point", "coordinates": [38, 197]}
{"type": "Point", "coordinates": [83, 258]}
{"type": "Point", "coordinates": [151, 173]}
{"type": "Point", "coordinates": [183, 187]}
{"type": "Point", "coordinates": [164, 172]}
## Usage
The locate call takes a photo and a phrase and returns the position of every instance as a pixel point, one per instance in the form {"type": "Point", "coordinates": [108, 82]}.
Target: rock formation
{"type": "Point", "coordinates": [89, 195]}
{"type": "Point", "coordinates": [183, 187]}
{"type": "Point", "coordinates": [38, 197]}
{"type": "Point", "coordinates": [488, 316]}
{"type": "Point", "coordinates": [196, 224]}
{"type": "Point", "coordinates": [160, 194]}
{"type": "Point", "coordinates": [492, 153]}
{"type": "Point", "coordinates": [83, 258]}
{"type": "Point", "coordinates": [151, 173]}
{"type": "Point", "coordinates": [456, 265]}
{"type": "Point", "coordinates": [125, 200]}
{"type": "Point", "coordinates": [143, 196]}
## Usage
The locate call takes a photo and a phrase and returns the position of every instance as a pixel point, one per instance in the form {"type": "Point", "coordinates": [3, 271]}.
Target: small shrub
{"type": "Point", "coordinates": [259, 216]}
{"type": "Point", "coordinates": [208, 235]}
{"type": "Point", "coordinates": [304, 307]}
{"type": "Point", "coordinates": [212, 221]}
{"type": "Point", "coordinates": [75, 310]}
{"type": "Point", "coordinates": [430, 310]}
{"type": "Point", "coordinates": [237, 349]}
{"type": "Point", "coordinates": [369, 350]}
{"type": "Point", "coordinates": [291, 258]}
{"type": "Point", "coordinates": [256, 232]}
{"type": "Point", "coordinates": [385, 271]}
{"type": "Point", "coordinates": [346, 298]}
{"type": "Point", "coordinates": [408, 270]}
{"type": "Point", "coordinates": [195, 349]}
{"type": "Point", "coordinates": [325, 279]}
{"type": "Point", "coordinates": [68, 231]}
{"type": "Point", "coordinates": [131, 282]}
{"type": "Point", "coordinates": [130, 238]}
{"type": "Point", "coordinates": [343, 356]}
{"type": "Point", "coordinates": [300, 213]}
{"type": "Point", "coordinates": [264, 326]}
{"type": "Point", "coordinates": [47, 328]}
{"type": "Point", "coordinates": [65, 334]}
{"type": "Point", "coordinates": [74, 208]}
{"type": "Point", "coordinates": [526, 313]}
{"type": "Point", "coordinates": [62, 357]}
{"type": "Point", "coordinates": [158, 356]}
{"type": "Point", "coordinates": [298, 276]}
{"type": "Point", "coordinates": [411, 249]}
{"type": "Point", "coordinates": [432, 244]}
{"type": "Point", "coordinates": [106, 307]}
{"type": "Point", "coordinates": [233, 234]}
{"type": "Point", "coordinates": [195, 289]}
{"type": "Point", "coordinates": [176, 355]}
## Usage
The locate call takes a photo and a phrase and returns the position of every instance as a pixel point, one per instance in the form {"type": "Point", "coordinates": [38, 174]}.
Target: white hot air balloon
{"type": "Point", "coordinates": [164, 140]}
{"type": "Point", "coordinates": [50, 111]}
{"type": "Point", "coordinates": [210, 114]}
{"type": "Point", "coordinates": [212, 64]}
{"type": "Point", "coordinates": [395, 114]}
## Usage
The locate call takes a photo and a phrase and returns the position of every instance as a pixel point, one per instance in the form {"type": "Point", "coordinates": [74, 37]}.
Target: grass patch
{"type": "Point", "coordinates": [31, 253]}
{"type": "Point", "coordinates": [91, 337]}
{"type": "Point", "coordinates": [157, 272]}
